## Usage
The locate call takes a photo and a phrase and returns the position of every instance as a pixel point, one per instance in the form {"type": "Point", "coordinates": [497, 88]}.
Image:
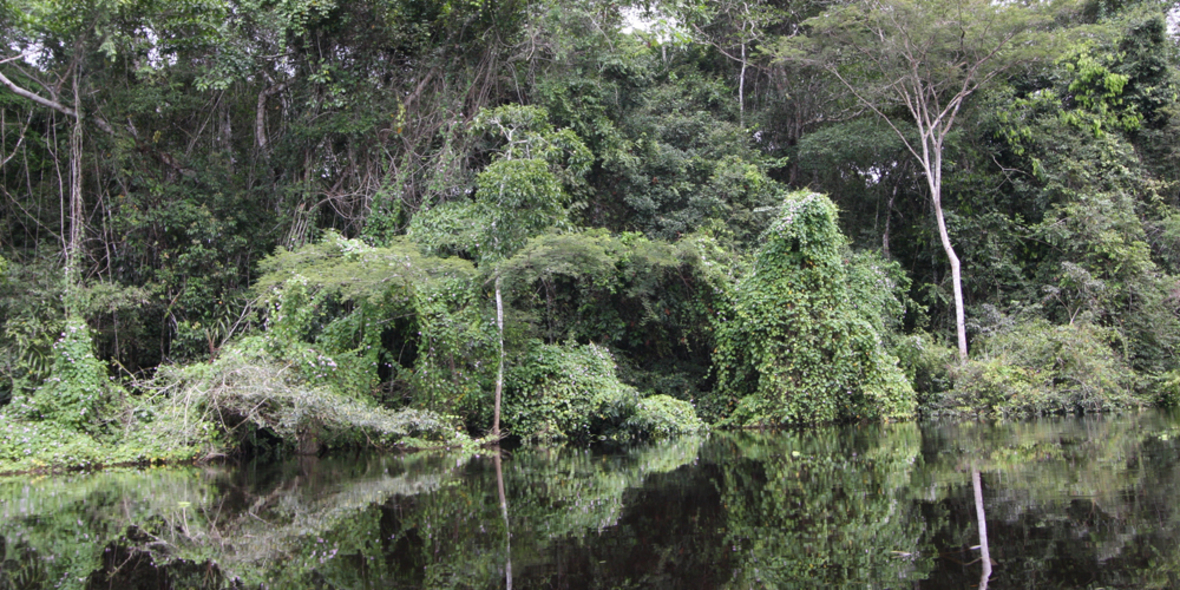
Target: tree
{"type": "Point", "coordinates": [518, 195]}
{"type": "Point", "coordinates": [43, 40]}
{"type": "Point", "coordinates": [918, 61]}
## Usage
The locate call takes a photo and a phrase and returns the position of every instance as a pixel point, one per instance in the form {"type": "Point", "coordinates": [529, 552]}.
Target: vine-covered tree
{"type": "Point", "coordinates": [796, 348]}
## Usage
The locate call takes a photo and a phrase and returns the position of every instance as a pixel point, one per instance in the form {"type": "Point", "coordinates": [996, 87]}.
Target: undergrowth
{"type": "Point", "coordinates": [247, 394]}
{"type": "Point", "coordinates": [571, 392]}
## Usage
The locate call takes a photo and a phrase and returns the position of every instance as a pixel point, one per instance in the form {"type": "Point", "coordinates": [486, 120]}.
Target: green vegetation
{"type": "Point", "coordinates": [1035, 368]}
{"type": "Point", "coordinates": [232, 226]}
{"type": "Point", "coordinates": [570, 392]}
{"type": "Point", "coordinates": [798, 349]}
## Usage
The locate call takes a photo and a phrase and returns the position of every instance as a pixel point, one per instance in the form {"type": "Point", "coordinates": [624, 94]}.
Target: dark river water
{"type": "Point", "coordinates": [1066, 503]}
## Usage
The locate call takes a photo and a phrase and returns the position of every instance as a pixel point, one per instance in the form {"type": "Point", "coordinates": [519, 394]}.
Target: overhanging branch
{"type": "Point", "coordinates": [53, 104]}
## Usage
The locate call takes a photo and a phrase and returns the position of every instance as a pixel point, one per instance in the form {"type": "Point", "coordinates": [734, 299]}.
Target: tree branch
{"type": "Point", "coordinates": [45, 102]}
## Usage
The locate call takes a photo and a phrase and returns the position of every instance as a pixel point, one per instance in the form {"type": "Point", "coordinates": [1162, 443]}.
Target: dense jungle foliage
{"type": "Point", "coordinates": [254, 226]}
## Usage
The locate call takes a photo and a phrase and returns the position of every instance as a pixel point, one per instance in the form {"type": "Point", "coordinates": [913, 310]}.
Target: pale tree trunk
{"type": "Point", "coordinates": [956, 274]}
{"type": "Point", "coordinates": [931, 159]}
{"type": "Point", "coordinates": [984, 553]}
{"type": "Point", "coordinates": [742, 86]}
{"type": "Point", "coordinates": [888, 219]}
{"type": "Point", "coordinates": [260, 136]}
{"type": "Point", "coordinates": [500, 369]}
{"type": "Point", "coordinates": [76, 217]}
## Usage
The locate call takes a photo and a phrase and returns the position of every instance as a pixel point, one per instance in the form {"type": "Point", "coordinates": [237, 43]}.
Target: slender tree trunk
{"type": "Point", "coordinates": [984, 553]}
{"type": "Point", "coordinates": [260, 136]}
{"type": "Point", "coordinates": [500, 369]}
{"type": "Point", "coordinates": [742, 86]}
{"type": "Point", "coordinates": [956, 274]}
{"type": "Point", "coordinates": [932, 163]}
{"type": "Point", "coordinates": [888, 218]}
{"type": "Point", "coordinates": [76, 215]}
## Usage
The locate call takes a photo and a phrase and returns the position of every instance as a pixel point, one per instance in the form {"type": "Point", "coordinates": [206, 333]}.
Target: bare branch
{"type": "Point", "coordinates": [57, 106]}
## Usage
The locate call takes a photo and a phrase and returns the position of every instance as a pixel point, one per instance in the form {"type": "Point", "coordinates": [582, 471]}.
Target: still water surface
{"type": "Point", "coordinates": [1068, 503]}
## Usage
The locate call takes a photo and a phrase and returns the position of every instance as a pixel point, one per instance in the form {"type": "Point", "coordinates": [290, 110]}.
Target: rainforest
{"type": "Point", "coordinates": [238, 229]}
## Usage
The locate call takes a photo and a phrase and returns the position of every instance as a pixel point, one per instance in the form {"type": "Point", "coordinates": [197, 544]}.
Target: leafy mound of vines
{"type": "Point", "coordinates": [795, 347]}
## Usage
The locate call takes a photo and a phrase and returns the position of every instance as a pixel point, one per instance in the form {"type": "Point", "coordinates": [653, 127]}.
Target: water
{"type": "Point", "coordinates": [1068, 503]}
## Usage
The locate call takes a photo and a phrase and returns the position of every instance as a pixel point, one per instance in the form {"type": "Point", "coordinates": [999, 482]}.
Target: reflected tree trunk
{"type": "Point", "coordinates": [504, 511]}
{"type": "Point", "coordinates": [984, 553]}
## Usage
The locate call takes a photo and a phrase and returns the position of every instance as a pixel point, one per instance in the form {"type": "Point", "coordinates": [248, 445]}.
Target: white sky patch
{"type": "Point", "coordinates": [634, 21]}
{"type": "Point", "coordinates": [664, 28]}
{"type": "Point", "coordinates": [30, 55]}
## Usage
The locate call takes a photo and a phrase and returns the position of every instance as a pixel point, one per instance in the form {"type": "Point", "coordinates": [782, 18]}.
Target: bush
{"type": "Point", "coordinates": [381, 322]}
{"type": "Point", "coordinates": [78, 390]}
{"type": "Point", "coordinates": [49, 446]}
{"type": "Point", "coordinates": [662, 415]}
{"type": "Point", "coordinates": [565, 392]}
{"type": "Point", "coordinates": [247, 394]}
{"type": "Point", "coordinates": [927, 363]}
{"type": "Point", "coordinates": [1037, 368]}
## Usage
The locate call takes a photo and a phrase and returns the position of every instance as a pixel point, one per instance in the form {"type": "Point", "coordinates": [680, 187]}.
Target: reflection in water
{"type": "Point", "coordinates": [504, 509]}
{"type": "Point", "coordinates": [823, 509]}
{"type": "Point", "coordinates": [1070, 504]}
{"type": "Point", "coordinates": [985, 555]}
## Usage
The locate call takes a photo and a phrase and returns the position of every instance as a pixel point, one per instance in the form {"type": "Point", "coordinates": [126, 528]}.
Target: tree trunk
{"type": "Point", "coordinates": [500, 369]}
{"type": "Point", "coordinates": [932, 164]}
{"type": "Point", "coordinates": [260, 137]}
{"type": "Point", "coordinates": [76, 215]}
{"type": "Point", "coordinates": [888, 218]}
{"type": "Point", "coordinates": [956, 275]}
{"type": "Point", "coordinates": [742, 87]}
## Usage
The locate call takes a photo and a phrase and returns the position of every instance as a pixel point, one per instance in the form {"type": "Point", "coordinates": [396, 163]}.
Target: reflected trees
{"type": "Point", "coordinates": [825, 508]}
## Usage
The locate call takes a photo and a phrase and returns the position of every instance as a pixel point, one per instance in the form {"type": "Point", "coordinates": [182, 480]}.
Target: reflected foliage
{"type": "Point", "coordinates": [828, 508]}
{"type": "Point", "coordinates": [1069, 504]}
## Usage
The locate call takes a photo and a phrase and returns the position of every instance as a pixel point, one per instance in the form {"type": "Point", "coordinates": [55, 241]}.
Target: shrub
{"type": "Point", "coordinates": [662, 415]}
{"type": "Point", "coordinates": [927, 363]}
{"type": "Point", "coordinates": [50, 446]}
{"type": "Point", "coordinates": [380, 322]}
{"type": "Point", "coordinates": [78, 389]}
{"type": "Point", "coordinates": [565, 392]}
{"type": "Point", "coordinates": [1037, 368]}
{"type": "Point", "coordinates": [247, 393]}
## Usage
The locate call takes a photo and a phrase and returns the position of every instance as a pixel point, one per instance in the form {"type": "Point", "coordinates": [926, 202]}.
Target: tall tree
{"type": "Point", "coordinates": [918, 61]}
